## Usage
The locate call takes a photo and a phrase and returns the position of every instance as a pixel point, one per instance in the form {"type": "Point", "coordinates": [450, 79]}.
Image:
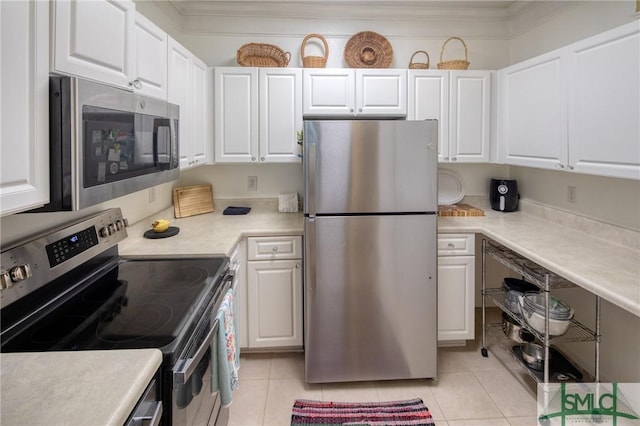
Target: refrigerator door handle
{"type": "Point", "coordinates": [310, 258]}
{"type": "Point", "coordinates": [310, 195]}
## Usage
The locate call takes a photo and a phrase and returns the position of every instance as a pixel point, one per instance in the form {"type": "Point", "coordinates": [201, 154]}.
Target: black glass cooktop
{"type": "Point", "coordinates": [136, 304]}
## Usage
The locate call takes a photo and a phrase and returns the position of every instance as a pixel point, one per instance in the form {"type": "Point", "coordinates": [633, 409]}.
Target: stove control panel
{"type": "Point", "coordinates": [27, 266]}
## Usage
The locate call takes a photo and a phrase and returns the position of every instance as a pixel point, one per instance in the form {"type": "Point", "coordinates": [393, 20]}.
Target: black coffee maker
{"type": "Point", "coordinates": [503, 195]}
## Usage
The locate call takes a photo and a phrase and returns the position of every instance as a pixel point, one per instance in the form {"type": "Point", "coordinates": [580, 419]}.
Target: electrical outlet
{"type": "Point", "coordinates": [152, 195]}
{"type": "Point", "coordinates": [252, 183]}
{"type": "Point", "coordinates": [571, 194]}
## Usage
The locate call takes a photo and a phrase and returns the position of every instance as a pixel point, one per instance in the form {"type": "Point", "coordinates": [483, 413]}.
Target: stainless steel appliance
{"type": "Point", "coordinates": [69, 290]}
{"type": "Point", "coordinates": [370, 210]}
{"type": "Point", "coordinates": [503, 194]}
{"type": "Point", "coordinates": [107, 142]}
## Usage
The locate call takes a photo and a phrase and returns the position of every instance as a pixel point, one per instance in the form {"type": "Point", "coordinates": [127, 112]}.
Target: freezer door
{"type": "Point", "coordinates": [370, 298]}
{"type": "Point", "coordinates": [370, 166]}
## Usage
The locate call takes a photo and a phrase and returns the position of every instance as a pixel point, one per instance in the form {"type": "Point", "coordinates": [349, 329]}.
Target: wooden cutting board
{"type": "Point", "coordinates": [192, 200]}
{"type": "Point", "coordinates": [459, 210]}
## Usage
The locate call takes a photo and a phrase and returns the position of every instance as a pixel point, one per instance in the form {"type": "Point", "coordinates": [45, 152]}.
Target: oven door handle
{"type": "Point", "coordinates": [183, 370]}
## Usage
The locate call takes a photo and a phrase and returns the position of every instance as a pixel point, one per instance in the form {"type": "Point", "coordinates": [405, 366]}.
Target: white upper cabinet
{"type": "Point", "coordinates": [95, 40]}
{"type": "Point", "coordinates": [257, 114]}
{"type": "Point", "coordinates": [604, 104]}
{"type": "Point", "coordinates": [338, 92]}
{"type": "Point", "coordinates": [280, 114]}
{"type": "Point", "coordinates": [532, 112]}
{"type": "Point", "coordinates": [189, 87]}
{"type": "Point", "coordinates": [576, 108]}
{"type": "Point", "coordinates": [150, 58]}
{"type": "Point", "coordinates": [461, 102]}
{"type": "Point", "coordinates": [236, 114]}
{"type": "Point", "coordinates": [179, 77]}
{"type": "Point", "coordinates": [202, 113]}
{"type": "Point", "coordinates": [24, 111]}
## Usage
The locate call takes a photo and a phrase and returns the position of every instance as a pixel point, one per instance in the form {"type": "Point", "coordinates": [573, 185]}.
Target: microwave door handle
{"type": "Point", "coordinates": [159, 123]}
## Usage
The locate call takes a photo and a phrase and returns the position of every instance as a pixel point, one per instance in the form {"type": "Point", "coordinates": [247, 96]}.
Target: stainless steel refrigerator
{"type": "Point", "coordinates": [370, 208]}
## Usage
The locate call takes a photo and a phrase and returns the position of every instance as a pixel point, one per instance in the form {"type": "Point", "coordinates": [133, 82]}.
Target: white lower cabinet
{"type": "Point", "coordinates": [456, 287]}
{"type": "Point", "coordinates": [274, 292]}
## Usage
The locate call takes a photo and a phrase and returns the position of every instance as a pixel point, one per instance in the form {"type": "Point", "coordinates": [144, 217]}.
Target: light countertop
{"type": "Point", "coordinates": [213, 234]}
{"type": "Point", "coordinates": [74, 388]}
{"type": "Point", "coordinates": [600, 258]}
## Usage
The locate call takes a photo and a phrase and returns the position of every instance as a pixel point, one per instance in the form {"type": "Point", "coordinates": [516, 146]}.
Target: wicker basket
{"type": "Point", "coordinates": [368, 49]}
{"type": "Point", "coordinates": [454, 64]}
{"type": "Point", "coordinates": [418, 65]}
{"type": "Point", "coordinates": [262, 55]}
{"type": "Point", "coordinates": [314, 61]}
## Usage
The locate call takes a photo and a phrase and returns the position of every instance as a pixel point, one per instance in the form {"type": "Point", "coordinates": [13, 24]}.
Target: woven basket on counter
{"type": "Point", "coordinates": [262, 55]}
{"type": "Point", "coordinates": [314, 61]}
{"type": "Point", "coordinates": [454, 64]}
{"type": "Point", "coordinates": [419, 65]}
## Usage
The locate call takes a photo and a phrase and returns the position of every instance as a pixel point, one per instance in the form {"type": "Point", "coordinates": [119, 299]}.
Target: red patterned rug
{"type": "Point", "coordinates": [411, 412]}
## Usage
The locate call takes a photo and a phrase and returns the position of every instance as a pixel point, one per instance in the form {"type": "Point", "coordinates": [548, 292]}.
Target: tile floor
{"type": "Point", "coordinates": [470, 390]}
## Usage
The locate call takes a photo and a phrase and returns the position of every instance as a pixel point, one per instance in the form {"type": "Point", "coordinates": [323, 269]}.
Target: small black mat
{"type": "Point", "coordinates": [232, 210]}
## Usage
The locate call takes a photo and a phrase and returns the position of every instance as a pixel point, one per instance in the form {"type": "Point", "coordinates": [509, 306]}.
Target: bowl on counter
{"type": "Point", "coordinates": [533, 355]}
{"type": "Point", "coordinates": [532, 309]}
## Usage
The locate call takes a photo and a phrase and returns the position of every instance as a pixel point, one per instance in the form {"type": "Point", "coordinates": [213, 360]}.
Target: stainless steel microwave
{"type": "Point", "coordinates": [107, 142]}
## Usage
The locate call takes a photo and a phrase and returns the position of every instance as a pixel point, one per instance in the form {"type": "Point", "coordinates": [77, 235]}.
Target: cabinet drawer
{"type": "Point", "coordinates": [456, 244]}
{"type": "Point", "coordinates": [270, 248]}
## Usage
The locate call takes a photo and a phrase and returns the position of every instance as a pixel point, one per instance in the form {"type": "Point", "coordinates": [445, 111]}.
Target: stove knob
{"type": "Point", "coordinates": [112, 228]}
{"type": "Point", "coordinates": [20, 272]}
{"type": "Point", "coordinates": [105, 232]}
{"type": "Point", "coordinates": [5, 280]}
{"type": "Point", "coordinates": [119, 225]}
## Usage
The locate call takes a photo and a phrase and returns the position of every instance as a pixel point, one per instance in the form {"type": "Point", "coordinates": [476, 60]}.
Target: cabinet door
{"type": "Point", "coordinates": [150, 56]}
{"type": "Point", "coordinates": [275, 303]}
{"type": "Point", "coordinates": [428, 98]}
{"type": "Point", "coordinates": [456, 285]}
{"type": "Point", "coordinates": [469, 116]}
{"type": "Point", "coordinates": [533, 117]}
{"type": "Point", "coordinates": [328, 92]}
{"type": "Point", "coordinates": [201, 114]}
{"type": "Point", "coordinates": [179, 89]}
{"type": "Point", "coordinates": [94, 39]}
{"type": "Point", "coordinates": [238, 262]}
{"type": "Point", "coordinates": [381, 93]}
{"type": "Point", "coordinates": [280, 114]}
{"type": "Point", "coordinates": [604, 104]}
{"type": "Point", "coordinates": [24, 108]}
{"type": "Point", "coordinates": [236, 115]}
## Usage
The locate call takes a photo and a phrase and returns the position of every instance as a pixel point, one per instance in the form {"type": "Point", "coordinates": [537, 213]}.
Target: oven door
{"type": "Point", "coordinates": [195, 395]}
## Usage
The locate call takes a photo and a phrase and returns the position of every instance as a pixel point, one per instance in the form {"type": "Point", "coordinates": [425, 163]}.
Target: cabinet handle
{"type": "Point", "coordinates": [360, 110]}
{"type": "Point", "coordinates": [274, 249]}
{"type": "Point", "coordinates": [454, 159]}
{"type": "Point", "coordinates": [446, 158]}
{"type": "Point", "coordinates": [350, 109]}
{"type": "Point", "coordinates": [570, 167]}
{"type": "Point", "coordinates": [560, 166]}
{"type": "Point", "coordinates": [261, 158]}
{"type": "Point", "coordinates": [450, 245]}
{"type": "Point", "coordinates": [297, 266]}
{"type": "Point", "coordinates": [253, 158]}
{"type": "Point", "coordinates": [136, 84]}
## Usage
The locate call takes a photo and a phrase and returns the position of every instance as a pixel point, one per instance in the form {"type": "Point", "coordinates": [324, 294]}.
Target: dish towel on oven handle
{"type": "Point", "coordinates": [228, 352]}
